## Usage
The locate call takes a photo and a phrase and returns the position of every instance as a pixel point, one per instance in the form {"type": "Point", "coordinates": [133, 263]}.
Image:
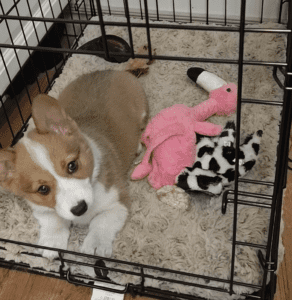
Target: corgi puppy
{"type": "Point", "coordinates": [73, 166]}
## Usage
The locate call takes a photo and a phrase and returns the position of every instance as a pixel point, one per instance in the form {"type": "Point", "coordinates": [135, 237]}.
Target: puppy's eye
{"type": "Point", "coordinates": [72, 167]}
{"type": "Point", "coordinates": [44, 190]}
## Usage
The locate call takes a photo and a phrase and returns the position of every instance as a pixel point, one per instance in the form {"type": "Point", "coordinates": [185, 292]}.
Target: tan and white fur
{"type": "Point", "coordinates": [73, 167]}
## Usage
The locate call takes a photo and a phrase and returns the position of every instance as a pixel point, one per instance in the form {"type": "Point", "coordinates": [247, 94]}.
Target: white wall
{"type": "Point", "coordinates": [199, 8]}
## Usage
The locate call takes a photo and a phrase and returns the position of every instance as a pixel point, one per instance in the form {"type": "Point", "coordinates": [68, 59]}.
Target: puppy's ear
{"type": "Point", "coordinates": [7, 166]}
{"type": "Point", "coordinates": [49, 116]}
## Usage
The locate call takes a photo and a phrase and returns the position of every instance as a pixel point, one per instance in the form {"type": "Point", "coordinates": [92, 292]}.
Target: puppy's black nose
{"type": "Point", "coordinates": [79, 209]}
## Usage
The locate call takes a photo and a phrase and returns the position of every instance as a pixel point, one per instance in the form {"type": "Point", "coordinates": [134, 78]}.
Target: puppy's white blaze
{"type": "Point", "coordinates": [69, 190]}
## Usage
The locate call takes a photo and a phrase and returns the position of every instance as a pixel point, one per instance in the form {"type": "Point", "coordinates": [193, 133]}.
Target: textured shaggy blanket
{"type": "Point", "coordinates": [197, 240]}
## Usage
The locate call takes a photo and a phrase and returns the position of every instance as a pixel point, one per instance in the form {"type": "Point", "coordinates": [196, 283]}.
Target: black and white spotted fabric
{"type": "Point", "coordinates": [215, 164]}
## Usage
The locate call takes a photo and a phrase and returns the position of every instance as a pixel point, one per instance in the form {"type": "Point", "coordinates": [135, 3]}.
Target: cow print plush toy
{"type": "Point", "coordinates": [215, 164]}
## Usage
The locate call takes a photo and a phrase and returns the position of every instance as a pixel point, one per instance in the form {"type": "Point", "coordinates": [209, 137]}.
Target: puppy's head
{"type": "Point", "coordinates": [52, 166]}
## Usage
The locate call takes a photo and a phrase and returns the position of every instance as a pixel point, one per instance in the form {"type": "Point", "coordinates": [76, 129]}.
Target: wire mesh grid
{"type": "Point", "coordinates": [38, 59]}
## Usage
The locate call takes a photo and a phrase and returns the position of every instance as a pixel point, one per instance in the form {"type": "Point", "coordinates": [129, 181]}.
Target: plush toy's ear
{"type": "Point", "coordinates": [208, 81]}
{"type": "Point", "coordinates": [49, 116]}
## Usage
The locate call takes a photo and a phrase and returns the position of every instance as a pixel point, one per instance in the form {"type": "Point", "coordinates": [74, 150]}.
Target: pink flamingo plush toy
{"type": "Point", "coordinates": [170, 136]}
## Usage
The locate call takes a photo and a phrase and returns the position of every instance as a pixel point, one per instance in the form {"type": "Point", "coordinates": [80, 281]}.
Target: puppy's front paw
{"type": "Point", "coordinates": [95, 246]}
{"type": "Point", "coordinates": [51, 255]}
{"type": "Point", "coordinates": [60, 242]}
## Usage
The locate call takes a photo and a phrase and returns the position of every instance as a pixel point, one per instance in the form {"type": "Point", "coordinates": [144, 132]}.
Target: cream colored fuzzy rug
{"type": "Point", "coordinates": [197, 241]}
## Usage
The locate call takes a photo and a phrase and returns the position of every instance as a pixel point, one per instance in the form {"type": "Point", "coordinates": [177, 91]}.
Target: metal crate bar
{"type": "Point", "coordinates": [268, 183]}
{"type": "Point", "coordinates": [281, 8]}
{"type": "Point", "coordinates": [238, 124]}
{"type": "Point", "coordinates": [78, 5]}
{"type": "Point", "coordinates": [108, 5]}
{"type": "Point", "coordinates": [102, 28]}
{"type": "Point", "coordinates": [175, 58]}
{"type": "Point", "coordinates": [30, 57]}
{"type": "Point", "coordinates": [5, 66]}
{"type": "Point", "coordinates": [283, 149]}
{"type": "Point", "coordinates": [251, 245]}
{"type": "Point", "coordinates": [13, 5]}
{"type": "Point", "coordinates": [281, 166]}
{"type": "Point", "coordinates": [38, 40]}
{"type": "Point", "coordinates": [190, 8]}
{"type": "Point", "coordinates": [25, 267]}
{"type": "Point", "coordinates": [148, 30]}
{"type": "Point", "coordinates": [225, 199]}
{"type": "Point", "coordinates": [247, 194]}
{"type": "Point", "coordinates": [284, 72]}
{"type": "Point", "coordinates": [157, 9]}
{"type": "Point", "coordinates": [160, 26]}
{"type": "Point", "coordinates": [276, 78]}
{"type": "Point", "coordinates": [249, 203]}
{"type": "Point", "coordinates": [74, 30]}
{"type": "Point", "coordinates": [161, 294]}
{"type": "Point", "coordinates": [145, 267]}
{"type": "Point", "coordinates": [164, 294]}
{"type": "Point", "coordinates": [52, 274]}
{"type": "Point", "coordinates": [127, 13]}
{"type": "Point", "coordinates": [262, 102]}
{"type": "Point", "coordinates": [47, 30]}
{"type": "Point", "coordinates": [71, 15]}
{"type": "Point", "coordinates": [65, 274]}
{"type": "Point", "coordinates": [155, 277]}
{"type": "Point", "coordinates": [207, 12]}
{"type": "Point", "coordinates": [262, 11]}
{"type": "Point", "coordinates": [167, 280]}
{"type": "Point", "coordinates": [70, 280]}
{"type": "Point", "coordinates": [101, 268]}
{"type": "Point", "coordinates": [136, 289]}
{"type": "Point", "coordinates": [268, 266]}
{"type": "Point", "coordinates": [173, 10]}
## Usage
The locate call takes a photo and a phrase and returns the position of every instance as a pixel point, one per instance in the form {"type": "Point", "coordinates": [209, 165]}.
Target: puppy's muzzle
{"type": "Point", "coordinates": [79, 209]}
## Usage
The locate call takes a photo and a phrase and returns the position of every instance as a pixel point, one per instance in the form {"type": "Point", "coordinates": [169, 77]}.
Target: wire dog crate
{"type": "Point", "coordinates": [39, 37]}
